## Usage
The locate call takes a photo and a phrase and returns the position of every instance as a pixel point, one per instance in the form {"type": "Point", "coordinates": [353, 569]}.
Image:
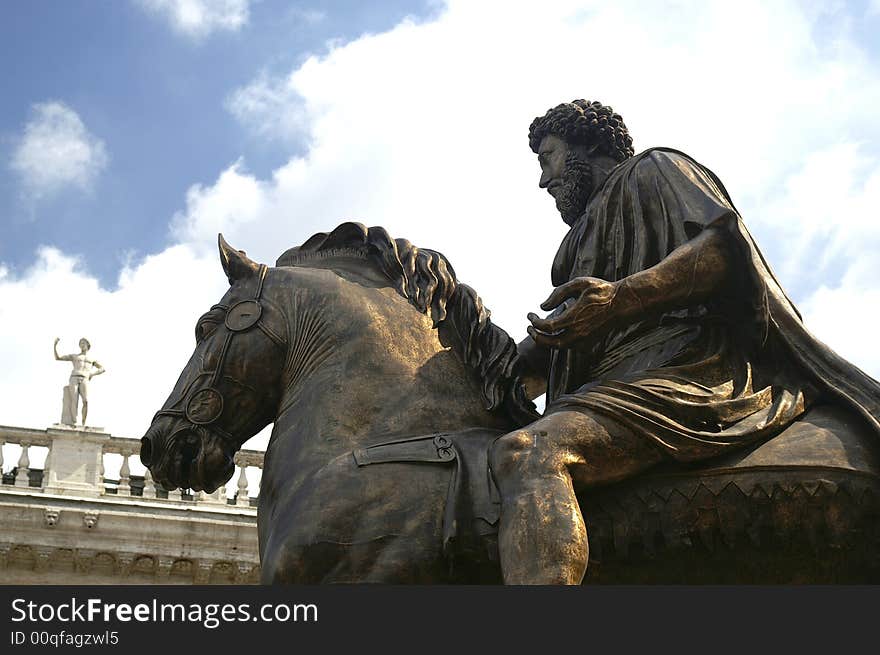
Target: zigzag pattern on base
{"type": "Point", "coordinates": [774, 525]}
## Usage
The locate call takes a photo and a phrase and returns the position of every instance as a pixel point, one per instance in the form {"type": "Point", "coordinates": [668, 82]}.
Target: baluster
{"type": "Point", "coordinates": [216, 497]}
{"type": "Point", "coordinates": [22, 476]}
{"type": "Point", "coordinates": [242, 497]}
{"type": "Point", "coordinates": [124, 487]}
{"type": "Point", "coordinates": [101, 487]}
{"type": "Point", "coordinates": [149, 486]}
{"type": "Point", "coordinates": [260, 480]}
{"type": "Point", "coordinates": [203, 496]}
{"type": "Point", "coordinates": [2, 443]}
{"type": "Point", "coordinates": [46, 464]}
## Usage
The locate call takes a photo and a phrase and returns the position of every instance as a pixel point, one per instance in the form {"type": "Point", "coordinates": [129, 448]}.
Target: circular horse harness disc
{"type": "Point", "coordinates": [243, 315]}
{"type": "Point", "coordinates": [204, 407]}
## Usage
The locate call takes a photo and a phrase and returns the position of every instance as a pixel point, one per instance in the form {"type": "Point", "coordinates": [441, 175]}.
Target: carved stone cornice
{"type": "Point", "coordinates": [83, 559]}
{"type": "Point", "coordinates": [163, 567]}
{"type": "Point", "coordinates": [129, 563]}
{"type": "Point", "coordinates": [203, 571]}
{"type": "Point", "coordinates": [42, 555]}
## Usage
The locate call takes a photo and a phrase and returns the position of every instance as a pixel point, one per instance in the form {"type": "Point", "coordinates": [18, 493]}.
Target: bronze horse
{"type": "Point", "coordinates": [387, 383]}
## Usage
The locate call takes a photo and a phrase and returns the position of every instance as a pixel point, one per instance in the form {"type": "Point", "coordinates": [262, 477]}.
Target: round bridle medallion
{"type": "Point", "coordinates": [243, 315]}
{"type": "Point", "coordinates": [204, 407]}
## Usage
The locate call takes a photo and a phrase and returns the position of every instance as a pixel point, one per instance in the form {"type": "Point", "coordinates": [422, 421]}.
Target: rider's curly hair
{"type": "Point", "coordinates": [584, 123]}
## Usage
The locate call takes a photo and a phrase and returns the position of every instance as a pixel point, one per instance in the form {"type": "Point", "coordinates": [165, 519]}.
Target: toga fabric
{"type": "Point", "coordinates": [700, 381]}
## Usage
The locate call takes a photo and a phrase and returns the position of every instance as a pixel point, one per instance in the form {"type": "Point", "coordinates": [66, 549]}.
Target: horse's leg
{"type": "Point", "coordinates": [542, 537]}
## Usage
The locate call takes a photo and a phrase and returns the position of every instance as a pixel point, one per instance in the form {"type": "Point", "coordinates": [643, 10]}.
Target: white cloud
{"type": "Point", "coordinates": [199, 18]}
{"type": "Point", "coordinates": [846, 315]}
{"type": "Point", "coordinates": [270, 107]}
{"type": "Point", "coordinates": [836, 213]}
{"type": "Point", "coordinates": [824, 215]}
{"type": "Point", "coordinates": [422, 129]}
{"type": "Point", "coordinates": [56, 151]}
{"type": "Point", "coordinates": [235, 199]}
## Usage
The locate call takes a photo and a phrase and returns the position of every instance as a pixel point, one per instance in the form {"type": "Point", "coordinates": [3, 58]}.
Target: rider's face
{"type": "Point", "coordinates": [567, 174]}
{"type": "Point", "coordinates": [83, 345]}
{"type": "Point", "coordinates": [552, 153]}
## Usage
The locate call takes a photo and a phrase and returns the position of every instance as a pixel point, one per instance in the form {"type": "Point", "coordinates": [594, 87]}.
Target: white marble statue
{"type": "Point", "coordinates": [84, 369]}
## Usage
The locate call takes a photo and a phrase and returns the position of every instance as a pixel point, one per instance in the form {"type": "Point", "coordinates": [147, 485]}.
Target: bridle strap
{"type": "Point", "coordinates": [217, 375]}
{"type": "Point", "coordinates": [221, 359]}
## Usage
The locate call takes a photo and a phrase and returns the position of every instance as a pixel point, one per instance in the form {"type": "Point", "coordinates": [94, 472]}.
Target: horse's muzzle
{"type": "Point", "coordinates": [185, 456]}
{"type": "Point", "coordinates": [146, 450]}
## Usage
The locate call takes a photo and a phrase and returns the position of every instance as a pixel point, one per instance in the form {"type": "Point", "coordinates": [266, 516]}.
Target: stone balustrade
{"type": "Point", "coordinates": [76, 464]}
{"type": "Point", "coordinates": [27, 439]}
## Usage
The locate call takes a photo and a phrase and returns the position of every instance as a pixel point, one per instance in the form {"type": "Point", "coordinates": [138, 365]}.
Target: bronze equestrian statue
{"type": "Point", "coordinates": [694, 430]}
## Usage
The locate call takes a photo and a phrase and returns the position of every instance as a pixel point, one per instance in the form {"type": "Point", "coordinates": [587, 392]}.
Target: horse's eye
{"type": "Point", "coordinates": [203, 329]}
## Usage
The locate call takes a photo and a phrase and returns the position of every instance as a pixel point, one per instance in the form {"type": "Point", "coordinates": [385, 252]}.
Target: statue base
{"type": "Point", "coordinates": [76, 460]}
{"type": "Point", "coordinates": [78, 428]}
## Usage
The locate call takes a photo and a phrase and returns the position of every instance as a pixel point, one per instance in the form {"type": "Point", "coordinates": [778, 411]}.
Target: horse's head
{"type": "Point", "coordinates": [229, 389]}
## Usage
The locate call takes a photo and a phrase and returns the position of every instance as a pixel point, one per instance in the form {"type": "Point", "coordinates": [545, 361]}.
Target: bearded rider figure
{"type": "Point", "coordinates": [670, 339]}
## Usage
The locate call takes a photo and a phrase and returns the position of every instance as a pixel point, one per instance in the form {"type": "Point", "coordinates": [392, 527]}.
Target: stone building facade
{"type": "Point", "coordinates": [67, 523]}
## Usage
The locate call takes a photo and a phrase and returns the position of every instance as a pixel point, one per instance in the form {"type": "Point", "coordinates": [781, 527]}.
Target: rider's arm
{"type": "Point", "coordinates": [536, 360]}
{"type": "Point", "coordinates": [97, 369]}
{"type": "Point", "coordinates": [690, 275]}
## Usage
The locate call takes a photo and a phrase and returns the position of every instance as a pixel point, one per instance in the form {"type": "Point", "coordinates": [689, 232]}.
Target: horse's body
{"type": "Point", "coordinates": [347, 355]}
{"type": "Point", "coordinates": [339, 345]}
{"type": "Point", "coordinates": [380, 372]}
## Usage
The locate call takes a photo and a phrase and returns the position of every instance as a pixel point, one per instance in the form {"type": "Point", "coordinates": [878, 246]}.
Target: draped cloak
{"type": "Point", "coordinates": [699, 381]}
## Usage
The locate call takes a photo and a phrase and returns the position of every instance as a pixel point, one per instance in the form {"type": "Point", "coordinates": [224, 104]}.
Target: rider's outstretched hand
{"type": "Point", "coordinates": [587, 310]}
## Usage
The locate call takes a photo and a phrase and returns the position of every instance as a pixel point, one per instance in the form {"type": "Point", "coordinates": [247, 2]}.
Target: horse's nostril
{"type": "Point", "coordinates": [146, 451]}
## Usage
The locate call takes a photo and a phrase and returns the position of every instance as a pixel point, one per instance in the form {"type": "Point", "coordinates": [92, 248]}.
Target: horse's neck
{"type": "Point", "coordinates": [365, 363]}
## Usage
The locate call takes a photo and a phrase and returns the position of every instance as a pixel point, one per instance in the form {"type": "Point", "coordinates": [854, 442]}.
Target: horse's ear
{"type": "Point", "coordinates": [236, 264]}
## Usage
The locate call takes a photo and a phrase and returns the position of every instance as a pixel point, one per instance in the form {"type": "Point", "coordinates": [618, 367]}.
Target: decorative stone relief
{"type": "Point", "coordinates": [50, 516]}
{"type": "Point", "coordinates": [90, 519]}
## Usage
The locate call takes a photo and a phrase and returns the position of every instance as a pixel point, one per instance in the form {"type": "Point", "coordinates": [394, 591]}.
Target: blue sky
{"type": "Point", "coordinates": [156, 100]}
{"type": "Point", "coordinates": [132, 132]}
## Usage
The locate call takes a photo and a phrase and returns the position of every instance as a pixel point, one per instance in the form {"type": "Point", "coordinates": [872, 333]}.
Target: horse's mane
{"type": "Point", "coordinates": [427, 280]}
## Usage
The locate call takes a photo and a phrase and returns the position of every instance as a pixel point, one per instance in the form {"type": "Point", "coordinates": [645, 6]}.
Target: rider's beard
{"type": "Point", "coordinates": [576, 187]}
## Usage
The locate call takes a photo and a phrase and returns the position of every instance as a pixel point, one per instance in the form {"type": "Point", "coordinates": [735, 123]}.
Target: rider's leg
{"type": "Point", "coordinates": [542, 538]}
